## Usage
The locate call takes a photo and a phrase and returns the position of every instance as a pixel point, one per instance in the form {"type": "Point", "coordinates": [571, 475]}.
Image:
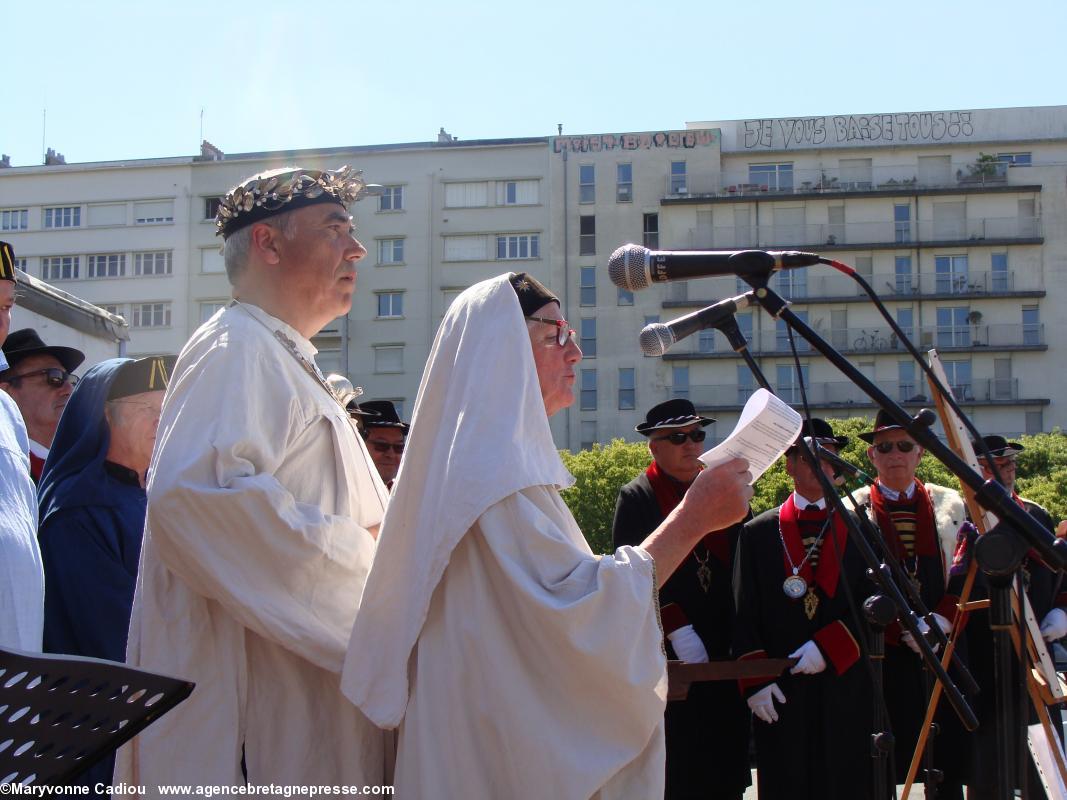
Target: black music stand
{"type": "Point", "coordinates": [59, 715]}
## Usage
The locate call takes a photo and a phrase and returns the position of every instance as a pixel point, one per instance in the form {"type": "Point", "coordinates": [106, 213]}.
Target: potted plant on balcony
{"type": "Point", "coordinates": [975, 318]}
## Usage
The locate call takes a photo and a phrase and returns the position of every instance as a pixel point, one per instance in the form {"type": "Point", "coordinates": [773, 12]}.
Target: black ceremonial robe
{"type": "Point", "coordinates": [708, 732]}
{"type": "Point", "coordinates": [820, 745]}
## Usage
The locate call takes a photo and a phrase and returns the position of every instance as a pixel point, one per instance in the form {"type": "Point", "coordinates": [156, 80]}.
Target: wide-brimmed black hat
{"type": "Point", "coordinates": [998, 446]}
{"type": "Point", "coordinates": [671, 414]}
{"type": "Point", "coordinates": [387, 416]}
{"type": "Point", "coordinates": [820, 430]}
{"type": "Point", "coordinates": [24, 343]}
{"type": "Point", "coordinates": [882, 422]}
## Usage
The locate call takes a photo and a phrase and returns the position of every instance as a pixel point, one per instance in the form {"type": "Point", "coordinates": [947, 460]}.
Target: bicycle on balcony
{"type": "Point", "coordinates": [870, 341]}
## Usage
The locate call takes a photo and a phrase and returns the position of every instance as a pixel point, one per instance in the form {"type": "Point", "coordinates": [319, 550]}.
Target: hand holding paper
{"type": "Point", "coordinates": [765, 430]}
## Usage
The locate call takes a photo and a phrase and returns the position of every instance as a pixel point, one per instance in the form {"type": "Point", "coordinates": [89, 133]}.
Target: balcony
{"type": "Point", "coordinates": [843, 394]}
{"type": "Point", "coordinates": [973, 231]}
{"type": "Point", "coordinates": [873, 340]}
{"type": "Point", "coordinates": [890, 181]}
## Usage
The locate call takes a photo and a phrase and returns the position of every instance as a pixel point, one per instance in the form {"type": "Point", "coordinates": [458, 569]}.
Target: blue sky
{"type": "Point", "coordinates": [128, 80]}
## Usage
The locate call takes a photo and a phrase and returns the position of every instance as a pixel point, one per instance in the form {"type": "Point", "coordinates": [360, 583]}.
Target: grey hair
{"type": "Point", "coordinates": [237, 245]}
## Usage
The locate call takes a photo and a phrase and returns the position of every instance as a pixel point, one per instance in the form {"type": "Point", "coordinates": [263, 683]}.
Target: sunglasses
{"type": "Point", "coordinates": [563, 333]}
{"type": "Point", "coordinates": [904, 446]}
{"type": "Point", "coordinates": [1002, 462]}
{"type": "Point", "coordinates": [679, 437]}
{"type": "Point", "coordinates": [53, 376]}
{"type": "Point", "coordinates": [385, 447]}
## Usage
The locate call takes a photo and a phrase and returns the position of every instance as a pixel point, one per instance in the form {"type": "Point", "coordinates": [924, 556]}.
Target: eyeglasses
{"type": "Point", "coordinates": [679, 437]}
{"type": "Point", "coordinates": [904, 446]}
{"type": "Point", "coordinates": [385, 447]}
{"type": "Point", "coordinates": [53, 376]}
{"type": "Point", "coordinates": [1002, 462]}
{"type": "Point", "coordinates": [563, 333]}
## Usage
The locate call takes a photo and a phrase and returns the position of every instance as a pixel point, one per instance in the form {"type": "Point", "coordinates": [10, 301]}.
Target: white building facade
{"type": "Point", "coordinates": [958, 219]}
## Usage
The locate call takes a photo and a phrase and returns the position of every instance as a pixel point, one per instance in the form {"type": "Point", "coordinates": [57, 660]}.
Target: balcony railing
{"type": "Point", "coordinates": [974, 229]}
{"type": "Point", "coordinates": [843, 393]}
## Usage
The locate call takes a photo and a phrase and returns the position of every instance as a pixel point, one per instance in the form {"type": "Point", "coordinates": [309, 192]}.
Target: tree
{"type": "Point", "coordinates": [599, 474]}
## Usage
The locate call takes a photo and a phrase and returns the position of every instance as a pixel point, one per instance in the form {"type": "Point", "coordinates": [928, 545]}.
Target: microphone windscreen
{"type": "Point", "coordinates": [656, 339]}
{"type": "Point", "coordinates": [626, 267]}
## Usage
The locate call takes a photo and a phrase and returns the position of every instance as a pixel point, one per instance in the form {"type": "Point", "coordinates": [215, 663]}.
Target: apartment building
{"type": "Point", "coordinates": [958, 219]}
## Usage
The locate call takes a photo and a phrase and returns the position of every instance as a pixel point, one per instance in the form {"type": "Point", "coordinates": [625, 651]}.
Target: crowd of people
{"type": "Point", "coordinates": [362, 601]}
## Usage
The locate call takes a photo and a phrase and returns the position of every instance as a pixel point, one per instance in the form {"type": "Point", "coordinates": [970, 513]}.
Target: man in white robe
{"type": "Point", "coordinates": [263, 507]}
{"type": "Point", "coordinates": [516, 663]}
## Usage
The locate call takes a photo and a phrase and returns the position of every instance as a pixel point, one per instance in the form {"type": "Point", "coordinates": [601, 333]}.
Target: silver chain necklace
{"type": "Point", "coordinates": [794, 586]}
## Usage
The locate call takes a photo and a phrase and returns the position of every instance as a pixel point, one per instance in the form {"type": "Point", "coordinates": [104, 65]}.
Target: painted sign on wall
{"type": "Point", "coordinates": [927, 126]}
{"type": "Point", "coordinates": [635, 141]}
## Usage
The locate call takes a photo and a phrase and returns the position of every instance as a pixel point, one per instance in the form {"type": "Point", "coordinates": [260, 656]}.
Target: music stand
{"type": "Point", "coordinates": [59, 715]}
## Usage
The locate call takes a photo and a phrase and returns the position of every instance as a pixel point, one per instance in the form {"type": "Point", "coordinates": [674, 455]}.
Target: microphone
{"type": "Point", "coordinates": [840, 465]}
{"type": "Point", "coordinates": [657, 337]}
{"type": "Point", "coordinates": [634, 267]}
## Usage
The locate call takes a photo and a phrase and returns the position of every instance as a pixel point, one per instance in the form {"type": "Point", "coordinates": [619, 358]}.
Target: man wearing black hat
{"type": "Point", "coordinates": [707, 733]}
{"type": "Point", "coordinates": [92, 508]}
{"type": "Point", "coordinates": [918, 523]}
{"type": "Point", "coordinates": [40, 378]}
{"type": "Point", "coordinates": [21, 574]}
{"type": "Point", "coordinates": [263, 508]}
{"type": "Point", "coordinates": [812, 725]}
{"type": "Point", "coordinates": [384, 434]}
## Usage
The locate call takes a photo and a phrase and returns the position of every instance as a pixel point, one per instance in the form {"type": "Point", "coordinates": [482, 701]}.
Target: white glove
{"type": "Point", "coordinates": [762, 704]}
{"type": "Point", "coordinates": [811, 660]}
{"type": "Point", "coordinates": [687, 645]}
{"type": "Point", "coordinates": [943, 624]}
{"type": "Point", "coordinates": [924, 629]}
{"type": "Point", "coordinates": [1054, 625]}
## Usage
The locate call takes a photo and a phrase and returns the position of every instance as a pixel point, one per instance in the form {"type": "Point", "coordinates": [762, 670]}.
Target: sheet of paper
{"type": "Point", "coordinates": [765, 430]}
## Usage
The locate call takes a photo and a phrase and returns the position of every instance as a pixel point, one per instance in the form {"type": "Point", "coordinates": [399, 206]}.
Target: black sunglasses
{"type": "Point", "coordinates": [679, 437]}
{"type": "Point", "coordinates": [385, 447]}
{"type": "Point", "coordinates": [53, 376]}
{"type": "Point", "coordinates": [904, 446]}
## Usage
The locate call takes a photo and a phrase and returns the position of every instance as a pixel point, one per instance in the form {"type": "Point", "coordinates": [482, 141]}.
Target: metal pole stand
{"type": "Point", "coordinates": [880, 612]}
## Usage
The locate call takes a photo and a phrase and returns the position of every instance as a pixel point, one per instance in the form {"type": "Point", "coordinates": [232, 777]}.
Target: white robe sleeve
{"type": "Point", "coordinates": [225, 524]}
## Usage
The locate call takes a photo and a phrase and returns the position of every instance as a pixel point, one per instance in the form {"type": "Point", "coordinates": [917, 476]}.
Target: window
{"type": "Point", "coordinates": [1034, 422]}
{"type": "Point", "coordinates": [390, 251]}
{"type": "Point", "coordinates": [59, 268]}
{"type": "Point", "coordinates": [626, 297]}
{"type": "Point", "coordinates": [855, 173]}
{"type": "Point", "coordinates": [449, 296]}
{"type": "Point", "coordinates": [159, 262]}
{"type": "Point", "coordinates": [211, 260]}
{"type": "Point", "coordinates": [781, 334]}
{"type": "Point", "coordinates": [391, 198]}
{"type": "Point", "coordinates": [999, 279]}
{"type": "Point", "coordinates": [650, 231]}
{"type": "Point", "coordinates": [588, 393]}
{"type": "Point", "coordinates": [588, 337]}
{"type": "Point", "coordinates": [679, 184]}
{"type": "Point", "coordinates": [210, 308]}
{"type": "Point", "coordinates": [118, 309]}
{"type": "Point", "coordinates": [746, 384]}
{"type": "Point", "coordinates": [772, 177]}
{"type": "Point", "coordinates": [651, 318]}
{"type": "Point", "coordinates": [952, 327]}
{"type": "Point", "coordinates": [466, 248]}
{"type": "Point", "coordinates": [624, 183]}
{"type": "Point", "coordinates": [390, 305]}
{"type": "Point", "coordinates": [517, 193]}
{"type": "Point", "coordinates": [150, 315]}
{"type": "Point", "coordinates": [15, 219]}
{"type": "Point", "coordinates": [906, 381]}
{"type": "Point", "coordinates": [112, 265]}
{"type": "Point", "coordinates": [586, 183]}
{"type": "Point", "coordinates": [902, 222]}
{"type": "Point", "coordinates": [1031, 325]}
{"type": "Point", "coordinates": [389, 358]}
{"type": "Point", "coordinates": [789, 383]}
{"type": "Point", "coordinates": [791, 283]}
{"type": "Point", "coordinates": [706, 341]}
{"type": "Point", "coordinates": [627, 389]}
{"type": "Point", "coordinates": [63, 217]}
{"type": "Point", "coordinates": [211, 207]}
{"type": "Point", "coordinates": [959, 379]}
{"type": "Point", "coordinates": [951, 274]}
{"type": "Point", "coordinates": [744, 324]}
{"type": "Point", "coordinates": [1013, 160]}
{"type": "Point", "coordinates": [157, 212]}
{"type": "Point", "coordinates": [466, 195]}
{"type": "Point", "coordinates": [20, 263]}
{"type": "Point", "coordinates": [588, 434]}
{"type": "Point", "coordinates": [587, 236]}
{"type": "Point", "coordinates": [680, 383]}
{"type": "Point", "coordinates": [515, 246]}
{"type": "Point", "coordinates": [902, 269]}
{"type": "Point", "coordinates": [100, 215]}
{"type": "Point", "coordinates": [906, 321]}
{"type": "Point", "coordinates": [587, 287]}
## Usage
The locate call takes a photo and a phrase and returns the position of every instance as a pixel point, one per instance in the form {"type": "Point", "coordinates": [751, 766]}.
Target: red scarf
{"type": "Point", "coordinates": [829, 568]}
{"type": "Point", "coordinates": [925, 532]}
{"type": "Point", "coordinates": [669, 494]}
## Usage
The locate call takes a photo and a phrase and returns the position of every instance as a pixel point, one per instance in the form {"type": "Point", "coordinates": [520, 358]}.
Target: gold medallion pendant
{"type": "Point", "coordinates": [811, 603]}
{"type": "Point", "coordinates": [704, 576]}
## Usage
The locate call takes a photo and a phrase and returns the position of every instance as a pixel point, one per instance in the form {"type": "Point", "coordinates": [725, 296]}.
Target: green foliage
{"type": "Point", "coordinates": [985, 166]}
{"type": "Point", "coordinates": [603, 470]}
{"type": "Point", "coordinates": [599, 474]}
